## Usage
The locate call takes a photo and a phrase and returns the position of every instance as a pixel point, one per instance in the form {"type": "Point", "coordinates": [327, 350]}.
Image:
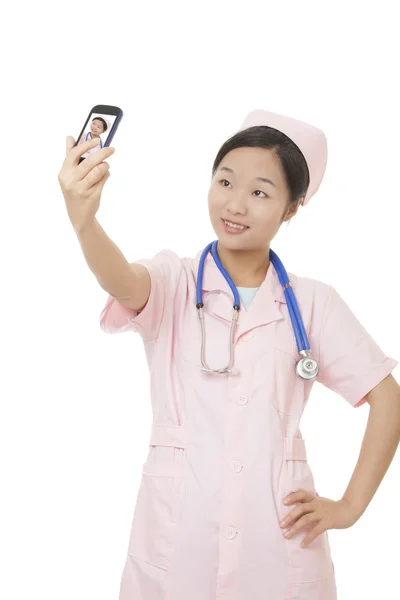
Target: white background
{"type": "Point", "coordinates": [75, 402]}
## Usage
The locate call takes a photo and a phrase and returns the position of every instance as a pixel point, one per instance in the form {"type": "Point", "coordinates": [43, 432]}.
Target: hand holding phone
{"type": "Point", "coordinates": [84, 171]}
{"type": "Point", "coordinates": [101, 125]}
{"type": "Point", "coordinates": [82, 182]}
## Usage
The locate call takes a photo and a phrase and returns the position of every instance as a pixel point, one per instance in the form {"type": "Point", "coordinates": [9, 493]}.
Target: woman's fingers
{"type": "Point", "coordinates": [297, 512]}
{"type": "Point", "coordinates": [98, 185]}
{"type": "Point", "coordinates": [305, 520]}
{"type": "Point", "coordinates": [73, 153]}
{"type": "Point", "coordinates": [93, 161]}
{"type": "Point", "coordinates": [94, 176]}
{"type": "Point", "coordinates": [81, 184]}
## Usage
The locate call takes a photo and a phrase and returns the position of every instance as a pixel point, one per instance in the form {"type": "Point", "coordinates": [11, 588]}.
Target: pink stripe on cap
{"type": "Point", "coordinates": [311, 141]}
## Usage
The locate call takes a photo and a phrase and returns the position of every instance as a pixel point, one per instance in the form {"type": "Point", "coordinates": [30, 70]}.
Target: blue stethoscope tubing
{"type": "Point", "coordinates": [306, 367]}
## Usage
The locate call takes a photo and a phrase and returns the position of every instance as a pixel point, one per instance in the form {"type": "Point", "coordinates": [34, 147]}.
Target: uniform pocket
{"type": "Point", "coordinates": [313, 562]}
{"type": "Point", "coordinates": [159, 504]}
{"type": "Point", "coordinates": [315, 590]}
{"type": "Point", "coordinates": [143, 580]}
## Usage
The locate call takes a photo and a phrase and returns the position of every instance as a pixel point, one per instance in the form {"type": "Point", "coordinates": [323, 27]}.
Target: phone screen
{"type": "Point", "coordinates": [101, 124]}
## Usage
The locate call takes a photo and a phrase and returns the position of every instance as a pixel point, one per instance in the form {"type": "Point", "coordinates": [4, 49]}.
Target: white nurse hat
{"type": "Point", "coordinates": [102, 117]}
{"type": "Point", "coordinates": [310, 140]}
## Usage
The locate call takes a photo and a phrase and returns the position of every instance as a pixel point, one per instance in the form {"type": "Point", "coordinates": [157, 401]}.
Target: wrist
{"type": "Point", "coordinates": [355, 509]}
{"type": "Point", "coordinates": [82, 228]}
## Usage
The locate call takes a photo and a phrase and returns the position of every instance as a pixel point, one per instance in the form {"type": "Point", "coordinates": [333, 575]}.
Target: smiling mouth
{"type": "Point", "coordinates": [240, 225]}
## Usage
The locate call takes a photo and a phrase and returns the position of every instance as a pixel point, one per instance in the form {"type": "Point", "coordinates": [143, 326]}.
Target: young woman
{"type": "Point", "coordinates": [227, 462]}
{"type": "Point", "coordinates": [98, 126]}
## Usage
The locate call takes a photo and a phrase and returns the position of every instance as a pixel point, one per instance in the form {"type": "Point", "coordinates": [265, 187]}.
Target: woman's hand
{"type": "Point", "coordinates": [82, 184]}
{"type": "Point", "coordinates": [315, 510]}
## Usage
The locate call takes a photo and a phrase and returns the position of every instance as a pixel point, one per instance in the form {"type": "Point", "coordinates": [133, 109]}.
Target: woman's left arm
{"type": "Point", "coordinates": [381, 439]}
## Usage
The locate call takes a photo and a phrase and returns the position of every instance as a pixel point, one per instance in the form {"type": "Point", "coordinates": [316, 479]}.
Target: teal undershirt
{"type": "Point", "coordinates": [246, 295]}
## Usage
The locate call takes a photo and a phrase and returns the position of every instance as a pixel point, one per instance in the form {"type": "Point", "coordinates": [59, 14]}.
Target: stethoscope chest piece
{"type": "Point", "coordinates": [307, 367]}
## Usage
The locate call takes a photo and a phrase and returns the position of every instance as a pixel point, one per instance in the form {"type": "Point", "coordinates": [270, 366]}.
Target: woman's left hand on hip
{"type": "Point", "coordinates": [315, 510]}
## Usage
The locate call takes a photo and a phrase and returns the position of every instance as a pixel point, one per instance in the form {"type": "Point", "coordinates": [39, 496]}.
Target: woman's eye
{"type": "Point", "coordinates": [222, 180]}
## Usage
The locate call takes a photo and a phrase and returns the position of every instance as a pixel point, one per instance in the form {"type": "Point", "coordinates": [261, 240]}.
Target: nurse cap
{"type": "Point", "coordinates": [108, 124]}
{"type": "Point", "coordinates": [310, 140]}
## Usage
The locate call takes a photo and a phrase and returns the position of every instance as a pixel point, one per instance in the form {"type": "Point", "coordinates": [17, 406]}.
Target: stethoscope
{"type": "Point", "coordinates": [89, 133]}
{"type": "Point", "coordinates": [307, 367]}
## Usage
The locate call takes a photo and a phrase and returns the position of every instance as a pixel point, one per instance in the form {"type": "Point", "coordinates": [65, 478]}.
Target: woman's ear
{"type": "Point", "coordinates": [292, 210]}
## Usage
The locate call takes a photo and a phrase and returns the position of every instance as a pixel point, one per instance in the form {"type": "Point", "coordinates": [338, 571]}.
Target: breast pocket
{"type": "Point", "coordinates": [161, 499]}
{"type": "Point", "coordinates": [273, 368]}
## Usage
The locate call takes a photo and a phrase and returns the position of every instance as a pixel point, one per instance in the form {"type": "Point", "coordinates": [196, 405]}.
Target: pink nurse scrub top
{"type": "Point", "coordinates": [225, 450]}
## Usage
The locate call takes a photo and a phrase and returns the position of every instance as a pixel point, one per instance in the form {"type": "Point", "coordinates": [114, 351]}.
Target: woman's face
{"type": "Point", "coordinates": [96, 127]}
{"type": "Point", "coordinates": [238, 196]}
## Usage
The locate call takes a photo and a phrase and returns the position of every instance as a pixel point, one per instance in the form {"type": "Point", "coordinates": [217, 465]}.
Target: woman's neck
{"type": "Point", "coordinates": [247, 269]}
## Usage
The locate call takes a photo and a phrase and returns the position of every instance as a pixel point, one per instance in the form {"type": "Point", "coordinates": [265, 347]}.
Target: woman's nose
{"type": "Point", "coordinates": [238, 204]}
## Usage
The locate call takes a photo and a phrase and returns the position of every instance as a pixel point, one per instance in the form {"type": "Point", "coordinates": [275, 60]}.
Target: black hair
{"type": "Point", "coordinates": [293, 163]}
{"type": "Point", "coordinates": [103, 121]}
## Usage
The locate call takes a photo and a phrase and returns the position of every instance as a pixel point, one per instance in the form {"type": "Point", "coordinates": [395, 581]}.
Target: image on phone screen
{"type": "Point", "coordinates": [101, 125]}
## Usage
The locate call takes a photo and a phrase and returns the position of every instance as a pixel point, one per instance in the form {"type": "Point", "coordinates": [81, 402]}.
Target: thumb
{"type": "Point", "coordinates": [70, 143]}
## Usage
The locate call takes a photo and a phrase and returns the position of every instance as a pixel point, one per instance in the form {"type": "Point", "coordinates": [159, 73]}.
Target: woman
{"type": "Point", "coordinates": [227, 462]}
{"type": "Point", "coordinates": [98, 126]}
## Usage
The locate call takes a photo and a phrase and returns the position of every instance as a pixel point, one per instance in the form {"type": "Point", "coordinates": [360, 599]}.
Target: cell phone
{"type": "Point", "coordinates": [102, 123]}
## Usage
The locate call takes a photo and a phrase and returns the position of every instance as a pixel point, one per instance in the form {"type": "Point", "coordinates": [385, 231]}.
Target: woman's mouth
{"type": "Point", "coordinates": [232, 228]}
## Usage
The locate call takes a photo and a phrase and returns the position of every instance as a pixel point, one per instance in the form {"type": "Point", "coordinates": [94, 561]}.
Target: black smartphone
{"type": "Point", "coordinates": [102, 123]}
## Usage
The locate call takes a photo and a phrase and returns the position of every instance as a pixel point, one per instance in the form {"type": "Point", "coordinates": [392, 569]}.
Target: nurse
{"type": "Point", "coordinates": [226, 461]}
{"type": "Point", "coordinates": [98, 126]}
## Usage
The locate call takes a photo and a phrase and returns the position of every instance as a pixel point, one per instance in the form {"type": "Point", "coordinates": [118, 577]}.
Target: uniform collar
{"type": "Point", "coordinates": [218, 298]}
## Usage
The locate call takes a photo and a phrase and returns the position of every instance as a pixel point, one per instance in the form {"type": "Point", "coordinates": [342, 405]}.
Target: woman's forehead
{"type": "Point", "coordinates": [253, 163]}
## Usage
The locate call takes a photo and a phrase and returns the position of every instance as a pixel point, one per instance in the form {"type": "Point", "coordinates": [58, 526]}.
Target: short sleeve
{"type": "Point", "coordinates": [165, 273]}
{"type": "Point", "coordinates": [351, 362]}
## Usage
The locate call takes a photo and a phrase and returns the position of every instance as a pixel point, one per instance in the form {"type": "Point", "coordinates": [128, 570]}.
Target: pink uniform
{"type": "Point", "coordinates": [224, 450]}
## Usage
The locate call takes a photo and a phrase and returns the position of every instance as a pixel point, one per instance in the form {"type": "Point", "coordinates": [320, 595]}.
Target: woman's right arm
{"type": "Point", "coordinates": [81, 184]}
{"type": "Point", "coordinates": [129, 283]}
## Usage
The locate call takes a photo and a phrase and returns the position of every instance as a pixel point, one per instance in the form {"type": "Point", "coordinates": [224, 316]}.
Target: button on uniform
{"type": "Point", "coordinates": [242, 399]}
{"type": "Point", "coordinates": [230, 533]}
{"type": "Point", "coordinates": [236, 466]}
